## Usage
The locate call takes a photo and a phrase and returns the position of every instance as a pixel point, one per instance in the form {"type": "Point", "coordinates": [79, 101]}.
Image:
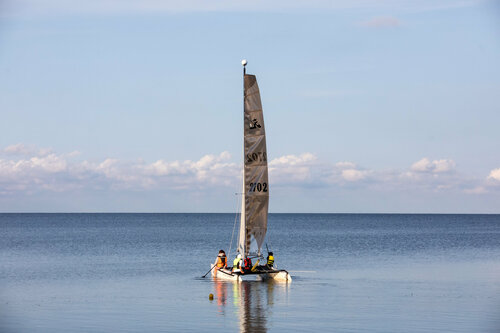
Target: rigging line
{"type": "Point", "coordinates": [234, 226]}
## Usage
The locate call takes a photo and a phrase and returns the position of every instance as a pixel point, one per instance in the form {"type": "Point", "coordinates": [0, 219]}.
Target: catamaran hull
{"type": "Point", "coordinates": [224, 274]}
{"type": "Point", "coordinates": [282, 276]}
{"type": "Point", "coordinates": [278, 276]}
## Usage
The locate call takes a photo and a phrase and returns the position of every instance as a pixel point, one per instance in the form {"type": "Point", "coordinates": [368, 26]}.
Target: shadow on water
{"type": "Point", "coordinates": [251, 301]}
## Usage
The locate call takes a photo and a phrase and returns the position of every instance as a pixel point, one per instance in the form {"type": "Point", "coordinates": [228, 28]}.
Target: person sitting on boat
{"type": "Point", "coordinates": [247, 265]}
{"type": "Point", "coordinates": [270, 260]}
{"type": "Point", "coordinates": [237, 263]}
{"type": "Point", "coordinates": [221, 260]}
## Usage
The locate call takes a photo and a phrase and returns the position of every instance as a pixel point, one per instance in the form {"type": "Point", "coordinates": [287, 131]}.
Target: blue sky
{"type": "Point", "coordinates": [386, 106]}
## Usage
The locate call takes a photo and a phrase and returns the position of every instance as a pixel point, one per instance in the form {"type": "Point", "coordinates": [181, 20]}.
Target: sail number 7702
{"type": "Point", "coordinates": [259, 187]}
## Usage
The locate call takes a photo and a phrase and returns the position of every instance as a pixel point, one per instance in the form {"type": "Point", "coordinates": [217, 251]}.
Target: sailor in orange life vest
{"type": "Point", "coordinates": [221, 260]}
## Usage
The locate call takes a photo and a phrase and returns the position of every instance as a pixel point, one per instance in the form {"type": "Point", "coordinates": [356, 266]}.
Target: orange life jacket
{"type": "Point", "coordinates": [221, 262]}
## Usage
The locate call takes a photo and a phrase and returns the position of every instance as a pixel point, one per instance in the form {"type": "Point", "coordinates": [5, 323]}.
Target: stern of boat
{"type": "Point", "coordinates": [281, 276]}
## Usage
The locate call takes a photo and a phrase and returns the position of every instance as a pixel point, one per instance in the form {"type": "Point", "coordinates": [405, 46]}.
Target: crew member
{"type": "Point", "coordinates": [247, 265]}
{"type": "Point", "coordinates": [221, 260]}
{"type": "Point", "coordinates": [237, 263]}
{"type": "Point", "coordinates": [270, 260]}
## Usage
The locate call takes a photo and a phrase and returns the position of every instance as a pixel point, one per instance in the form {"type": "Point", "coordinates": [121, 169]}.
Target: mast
{"type": "Point", "coordinates": [255, 198]}
{"type": "Point", "coordinates": [242, 248]}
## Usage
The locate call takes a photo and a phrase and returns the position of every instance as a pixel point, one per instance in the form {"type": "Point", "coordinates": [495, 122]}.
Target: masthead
{"type": "Point", "coordinates": [244, 63]}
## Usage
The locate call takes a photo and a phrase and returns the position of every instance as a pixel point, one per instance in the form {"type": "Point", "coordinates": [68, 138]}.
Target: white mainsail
{"type": "Point", "coordinates": [255, 200]}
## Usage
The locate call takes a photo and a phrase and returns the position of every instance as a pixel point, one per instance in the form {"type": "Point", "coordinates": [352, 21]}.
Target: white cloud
{"type": "Point", "coordinates": [424, 165]}
{"type": "Point", "coordinates": [62, 172]}
{"type": "Point", "coordinates": [345, 172]}
{"type": "Point", "coordinates": [59, 172]}
{"type": "Point", "coordinates": [74, 153]}
{"type": "Point", "coordinates": [47, 164]}
{"type": "Point", "coordinates": [494, 174]}
{"type": "Point", "coordinates": [50, 163]}
{"type": "Point", "coordinates": [209, 168]}
{"type": "Point", "coordinates": [476, 190]}
{"type": "Point", "coordinates": [444, 165]}
{"type": "Point", "coordinates": [353, 175]}
{"type": "Point", "coordinates": [292, 170]}
{"type": "Point", "coordinates": [17, 149]}
{"type": "Point", "coordinates": [382, 22]}
{"type": "Point", "coordinates": [436, 166]}
{"type": "Point", "coordinates": [292, 159]}
{"type": "Point", "coordinates": [25, 150]}
{"type": "Point", "coordinates": [345, 165]}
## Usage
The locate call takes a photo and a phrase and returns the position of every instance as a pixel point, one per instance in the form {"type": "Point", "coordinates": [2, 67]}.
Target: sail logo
{"type": "Point", "coordinates": [254, 124]}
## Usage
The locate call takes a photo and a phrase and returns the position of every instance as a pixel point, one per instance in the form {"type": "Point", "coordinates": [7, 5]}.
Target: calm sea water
{"type": "Point", "coordinates": [351, 273]}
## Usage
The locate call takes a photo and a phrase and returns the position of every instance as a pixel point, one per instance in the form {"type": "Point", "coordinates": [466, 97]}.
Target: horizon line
{"type": "Point", "coordinates": [311, 213]}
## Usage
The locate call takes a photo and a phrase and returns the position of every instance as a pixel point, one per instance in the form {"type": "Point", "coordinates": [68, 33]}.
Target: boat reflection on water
{"type": "Point", "coordinates": [249, 302]}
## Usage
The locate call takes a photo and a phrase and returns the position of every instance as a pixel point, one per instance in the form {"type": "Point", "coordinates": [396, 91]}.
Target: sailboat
{"type": "Point", "coordinates": [255, 194]}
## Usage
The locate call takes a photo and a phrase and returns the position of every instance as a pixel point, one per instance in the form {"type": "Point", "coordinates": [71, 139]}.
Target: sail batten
{"type": "Point", "coordinates": [253, 223]}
